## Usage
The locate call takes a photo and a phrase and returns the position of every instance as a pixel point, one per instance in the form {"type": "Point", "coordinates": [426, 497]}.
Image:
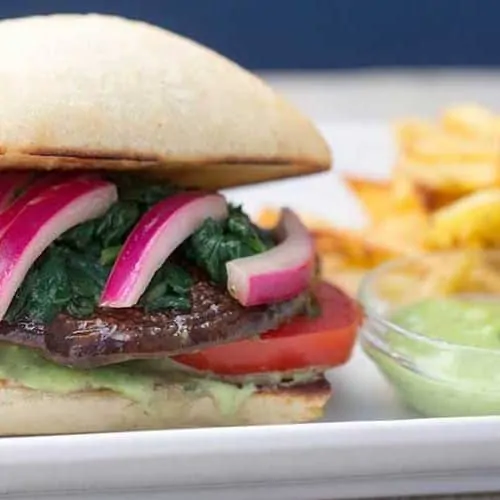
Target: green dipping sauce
{"type": "Point", "coordinates": [452, 368]}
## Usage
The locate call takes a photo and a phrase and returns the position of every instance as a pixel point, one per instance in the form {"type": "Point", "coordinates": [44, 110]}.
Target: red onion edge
{"type": "Point", "coordinates": [278, 274]}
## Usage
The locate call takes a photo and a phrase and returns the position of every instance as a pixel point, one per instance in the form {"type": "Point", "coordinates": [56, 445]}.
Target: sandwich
{"type": "Point", "coordinates": [133, 295]}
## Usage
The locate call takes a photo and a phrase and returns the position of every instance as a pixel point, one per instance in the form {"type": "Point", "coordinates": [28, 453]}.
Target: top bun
{"type": "Point", "coordinates": [96, 91]}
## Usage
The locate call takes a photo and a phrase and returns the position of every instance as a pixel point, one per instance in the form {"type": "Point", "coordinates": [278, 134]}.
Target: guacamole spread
{"type": "Point", "coordinates": [134, 380]}
{"type": "Point", "coordinates": [450, 365]}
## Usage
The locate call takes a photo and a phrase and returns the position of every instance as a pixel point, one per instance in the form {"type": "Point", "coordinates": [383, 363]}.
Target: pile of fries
{"type": "Point", "coordinates": [443, 193]}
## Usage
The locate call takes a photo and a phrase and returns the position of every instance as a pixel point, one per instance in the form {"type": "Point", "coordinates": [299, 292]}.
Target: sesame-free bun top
{"type": "Point", "coordinates": [97, 91]}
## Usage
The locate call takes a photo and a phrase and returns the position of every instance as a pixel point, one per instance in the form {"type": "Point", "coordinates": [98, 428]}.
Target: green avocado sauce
{"type": "Point", "coordinates": [457, 374]}
{"type": "Point", "coordinates": [31, 370]}
{"type": "Point", "coordinates": [134, 380]}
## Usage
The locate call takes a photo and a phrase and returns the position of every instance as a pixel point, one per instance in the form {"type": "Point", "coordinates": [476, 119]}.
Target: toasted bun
{"type": "Point", "coordinates": [98, 91]}
{"type": "Point", "coordinates": [29, 412]}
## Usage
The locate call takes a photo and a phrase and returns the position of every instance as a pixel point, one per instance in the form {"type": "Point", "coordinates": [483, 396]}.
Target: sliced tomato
{"type": "Point", "coordinates": [325, 341]}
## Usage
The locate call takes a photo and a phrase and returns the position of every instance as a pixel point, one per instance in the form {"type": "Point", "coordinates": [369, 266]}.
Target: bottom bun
{"type": "Point", "coordinates": [30, 412]}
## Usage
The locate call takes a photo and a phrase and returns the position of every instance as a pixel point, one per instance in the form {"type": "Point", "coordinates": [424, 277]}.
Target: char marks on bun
{"type": "Point", "coordinates": [93, 91]}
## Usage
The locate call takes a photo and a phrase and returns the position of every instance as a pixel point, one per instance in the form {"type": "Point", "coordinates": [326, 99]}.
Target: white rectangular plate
{"type": "Point", "coordinates": [369, 445]}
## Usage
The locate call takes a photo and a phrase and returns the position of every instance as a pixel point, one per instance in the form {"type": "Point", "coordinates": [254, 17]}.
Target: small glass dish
{"type": "Point", "coordinates": [437, 372]}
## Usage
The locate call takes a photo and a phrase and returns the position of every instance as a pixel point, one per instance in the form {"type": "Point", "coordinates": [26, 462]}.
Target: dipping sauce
{"type": "Point", "coordinates": [443, 356]}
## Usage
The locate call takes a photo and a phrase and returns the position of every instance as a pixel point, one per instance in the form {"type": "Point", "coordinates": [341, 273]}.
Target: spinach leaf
{"type": "Point", "coordinates": [109, 255]}
{"type": "Point", "coordinates": [87, 279]}
{"type": "Point", "coordinates": [117, 223]}
{"type": "Point", "coordinates": [242, 228]}
{"type": "Point", "coordinates": [217, 242]}
{"type": "Point", "coordinates": [45, 290]}
{"type": "Point", "coordinates": [144, 192]}
{"type": "Point", "coordinates": [109, 230]}
{"type": "Point", "coordinates": [169, 288]}
{"type": "Point", "coordinates": [81, 237]}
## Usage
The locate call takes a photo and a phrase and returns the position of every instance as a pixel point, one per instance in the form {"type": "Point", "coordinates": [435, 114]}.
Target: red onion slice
{"type": "Point", "coordinates": [278, 274]}
{"type": "Point", "coordinates": [42, 220]}
{"type": "Point", "coordinates": [35, 189]}
{"type": "Point", "coordinates": [10, 184]}
{"type": "Point", "coordinates": [159, 232]}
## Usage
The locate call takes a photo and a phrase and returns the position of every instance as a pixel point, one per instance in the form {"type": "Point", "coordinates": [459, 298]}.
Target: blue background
{"type": "Point", "coordinates": [317, 34]}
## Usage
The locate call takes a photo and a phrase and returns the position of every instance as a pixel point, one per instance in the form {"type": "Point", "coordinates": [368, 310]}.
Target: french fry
{"type": "Point", "coordinates": [450, 178]}
{"type": "Point", "coordinates": [455, 157]}
{"type": "Point", "coordinates": [411, 196]}
{"type": "Point", "coordinates": [471, 121]}
{"type": "Point", "coordinates": [400, 235]}
{"type": "Point", "coordinates": [403, 194]}
{"type": "Point", "coordinates": [357, 248]}
{"type": "Point", "coordinates": [394, 237]}
{"type": "Point", "coordinates": [468, 271]}
{"type": "Point", "coordinates": [406, 132]}
{"type": "Point", "coordinates": [471, 222]}
{"type": "Point", "coordinates": [447, 276]}
{"type": "Point", "coordinates": [376, 197]}
{"type": "Point", "coordinates": [448, 148]}
{"type": "Point", "coordinates": [430, 198]}
{"type": "Point", "coordinates": [440, 275]}
{"type": "Point", "coordinates": [485, 279]}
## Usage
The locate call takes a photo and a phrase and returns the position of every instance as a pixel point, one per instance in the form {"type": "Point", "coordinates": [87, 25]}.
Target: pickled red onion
{"type": "Point", "coordinates": [35, 189]}
{"type": "Point", "coordinates": [42, 220]}
{"type": "Point", "coordinates": [277, 274]}
{"type": "Point", "coordinates": [159, 232]}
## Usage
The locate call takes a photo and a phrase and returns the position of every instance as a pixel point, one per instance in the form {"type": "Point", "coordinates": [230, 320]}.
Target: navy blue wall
{"type": "Point", "coordinates": [308, 34]}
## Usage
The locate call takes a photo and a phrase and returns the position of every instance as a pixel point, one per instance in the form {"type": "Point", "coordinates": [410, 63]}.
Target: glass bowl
{"type": "Point", "coordinates": [432, 327]}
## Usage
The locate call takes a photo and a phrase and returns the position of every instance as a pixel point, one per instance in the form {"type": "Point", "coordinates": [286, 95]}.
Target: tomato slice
{"type": "Point", "coordinates": [325, 341]}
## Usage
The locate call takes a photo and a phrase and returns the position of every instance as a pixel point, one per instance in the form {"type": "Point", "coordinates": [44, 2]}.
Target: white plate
{"type": "Point", "coordinates": [369, 445]}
